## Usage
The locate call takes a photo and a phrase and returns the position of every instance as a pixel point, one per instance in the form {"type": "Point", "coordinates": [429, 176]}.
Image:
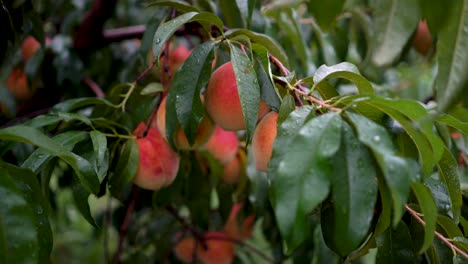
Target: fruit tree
{"type": "Point", "coordinates": [221, 131]}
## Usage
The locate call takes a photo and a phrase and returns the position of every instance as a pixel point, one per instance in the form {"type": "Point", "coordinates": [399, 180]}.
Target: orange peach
{"type": "Point", "coordinates": [223, 102]}
{"type": "Point", "coordinates": [29, 47]}
{"type": "Point", "coordinates": [158, 163]}
{"type": "Point", "coordinates": [17, 83]}
{"type": "Point", "coordinates": [219, 249]}
{"type": "Point", "coordinates": [263, 139]}
{"type": "Point", "coordinates": [204, 131]}
{"type": "Point", "coordinates": [223, 145]}
{"type": "Point", "coordinates": [422, 41]}
{"type": "Point", "coordinates": [235, 168]}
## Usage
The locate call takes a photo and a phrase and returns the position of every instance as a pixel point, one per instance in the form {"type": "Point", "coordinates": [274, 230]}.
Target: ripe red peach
{"type": "Point", "coordinates": [219, 249]}
{"type": "Point", "coordinates": [422, 41]}
{"type": "Point", "coordinates": [223, 102]}
{"type": "Point", "coordinates": [17, 83]}
{"type": "Point", "coordinates": [158, 164]}
{"type": "Point", "coordinates": [205, 129]}
{"type": "Point", "coordinates": [263, 139]}
{"type": "Point", "coordinates": [234, 169]}
{"type": "Point", "coordinates": [29, 47]}
{"type": "Point", "coordinates": [223, 145]}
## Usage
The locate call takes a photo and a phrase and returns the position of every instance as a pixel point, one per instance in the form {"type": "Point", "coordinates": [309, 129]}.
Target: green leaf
{"type": "Point", "coordinates": [40, 157]}
{"type": "Point", "coordinates": [27, 183]}
{"type": "Point", "coordinates": [354, 194]}
{"type": "Point", "coordinates": [247, 87]}
{"type": "Point", "coordinates": [394, 23]}
{"type": "Point", "coordinates": [268, 42]}
{"type": "Point", "coordinates": [268, 91]}
{"type": "Point", "coordinates": [449, 175]}
{"type": "Point", "coordinates": [231, 13]}
{"type": "Point", "coordinates": [246, 8]}
{"type": "Point", "coordinates": [101, 161]}
{"type": "Point", "coordinates": [287, 106]}
{"type": "Point", "coordinates": [180, 5]}
{"type": "Point", "coordinates": [449, 227]}
{"type": "Point", "coordinates": [325, 12]}
{"type": "Point", "coordinates": [435, 13]}
{"type": "Point", "coordinates": [81, 166]}
{"type": "Point", "coordinates": [152, 88]}
{"type": "Point", "coordinates": [78, 103]}
{"type": "Point", "coordinates": [18, 223]}
{"type": "Point", "coordinates": [429, 210]}
{"type": "Point", "coordinates": [184, 94]}
{"type": "Point", "coordinates": [394, 168]}
{"type": "Point", "coordinates": [344, 70]}
{"type": "Point", "coordinates": [328, 51]}
{"type": "Point", "coordinates": [452, 57]}
{"type": "Point", "coordinates": [395, 246]}
{"type": "Point", "coordinates": [126, 168]}
{"type": "Point", "coordinates": [454, 122]}
{"type": "Point", "coordinates": [80, 196]}
{"type": "Point", "coordinates": [385, 217]}
{"type": "Point", "coordinates": [165, 30]}
{"type": "Point", "coordinates": [301, 181]}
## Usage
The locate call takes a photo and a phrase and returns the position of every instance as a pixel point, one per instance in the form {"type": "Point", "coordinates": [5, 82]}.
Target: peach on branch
{"type": "Point", "coordinates": [223, 101]}
{"type": "Point", "coordinates": [234, 169]}
{"type": "Point", "coordinates": [158, 164]}
{"type": "Point", "coordinates": [29, 47]}
{"type": "Point", "coordinates": [204, 131]}
{"type": "Point", "coordinates": [17, 84]}
{"type": "Point", "coordinates": [219, 249]}
{"type": "Point", "coordinates": [422, 41]}
{"type": "Point", "coordinates": [223, 145]}
{"type": "Point", "coordinates": [263, 139]}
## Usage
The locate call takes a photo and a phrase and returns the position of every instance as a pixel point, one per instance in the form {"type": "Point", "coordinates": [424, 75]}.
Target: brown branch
{"type": "Point", "coordinates": [119, 34]}
{"type": "Point", "coordinates": [196, 233]}
{"type": "Point", "coordinates": [94, 87]}
{"type": "Point", "coordinates": [126, 224]}
{"type": "Point", "coordinates": [439, 235]}
{"type": "Point", "coordinates": [317, 101]}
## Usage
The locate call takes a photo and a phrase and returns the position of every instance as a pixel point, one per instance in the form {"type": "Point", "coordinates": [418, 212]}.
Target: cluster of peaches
{"type": "Point", "coordinates": [217, 135]}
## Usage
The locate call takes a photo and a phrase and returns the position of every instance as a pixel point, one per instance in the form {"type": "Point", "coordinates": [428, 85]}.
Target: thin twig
{"type": "Point", "coordinates": [196, 233]}
{"type": "Point", "coordinates": [279, 64]}
{"type": "Point", "coordinates": [317, 101]}
{"type": "Point", "coordinates": [439, 235]}
{"type": "Point", "coordinates": [126, 224]}
{"type": "Point", "coordinates": [145, 72]}
{"type": "Point", "coordinates": [124, 33]}
{"type": "Point", "coordinates": [94, 87]}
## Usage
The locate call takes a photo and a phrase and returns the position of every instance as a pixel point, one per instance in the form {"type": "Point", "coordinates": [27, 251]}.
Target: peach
{"type": "Point", "coordinates": [177, 56]}
{"type": "Point", "coordinates": [223, 145]}
{"type": "Point", "coordinates": [422, 41]}
{"type": "Point", "coordinates": [219, 249]}
{"type": "Point", "coordinates": [223, 102]}
{"type": "Point", "coordinates": [204, 131]}
{"type": "Point", "coordinates": [234, 229]}
{"type": "Point", "coordinates": [235, 168]}
{"type": "Point", "coordinates": [263, 139]}
{"type": "Point", "coordinates": [159, 164]}
{"type": "Point", "coordinates": [17, 83]}
{"type": "Point", "coordinates": [29, 47]}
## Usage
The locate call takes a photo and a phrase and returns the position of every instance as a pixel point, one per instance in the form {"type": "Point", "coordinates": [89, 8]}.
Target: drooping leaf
{"type": "Point", "coordinates": [395, 168]}
{"type": "Point", "coordinates": [449, 175]}
{"type": "Point", "coordinates": [435, 13]}
{"type": "Point", "coordinates": [395, 21]}
{"type": "Point", "coordinates": [325, 12]}
{"type": "Point", "coordinates": [78, 103]}
{"type": "Point", "coordinates": [101, 161]}
{"type": "Point", "coordinates": [81, 166]}
{"type": "Point", "coordinates": [268, 92]}
{"type": "Point", "coordinates": [126, 168]}
{"type": "Point", "coordinates": [346, 71]}
{"type": "Point", "coordinates": [246, 8]}
{"type": "Point", "coordinates": [328, 51]}
{"type": "Point", "coordinates": [452, 56]}
{"type": "Point", "coordinates": [231, 13]}
{"type": "Point", "coordinates": [395, 246]}
{"type": "Point", "coordinates": [301, 180]}
{"type": "Point", "coordinates": [454, 122]}
{"type": "Point", "coordinates": [80, 196]}
{"type": "Point", "coordinates": [19, 234]}
{"type": "Point", "coordinates": [247, 87]}
{"type": "Point", "coordinates": [354, 194]}
{"type": "Point", "coordinates": [448, 227]}
{"type": "Point", "coordinates": [165, 30]}
{"type": "Point", "coordinates": [429, 210]}
{"type": "Point", "coordinates": [28, 185]}
{"type": "Point", "coordinates": [180, 5]}
{"type": "Point", "coordinates": [184, 94]}
{"type": "Point", "coordinates": [268, 42]}
{"type": "Point", "coordinates": [287, 106]}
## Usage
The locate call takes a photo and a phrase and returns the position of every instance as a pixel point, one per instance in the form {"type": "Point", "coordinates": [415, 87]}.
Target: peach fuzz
{"type": "Point", "coordinates": [223, 102]}
{"type": "Point", "coordinates": [205, 129]}
{"type": "Point", "coordinates": [158, 164]}
{"type": "Point", "coordinates": [263, 139]}
{"type": "Point", "coordinates": [223, 145]}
